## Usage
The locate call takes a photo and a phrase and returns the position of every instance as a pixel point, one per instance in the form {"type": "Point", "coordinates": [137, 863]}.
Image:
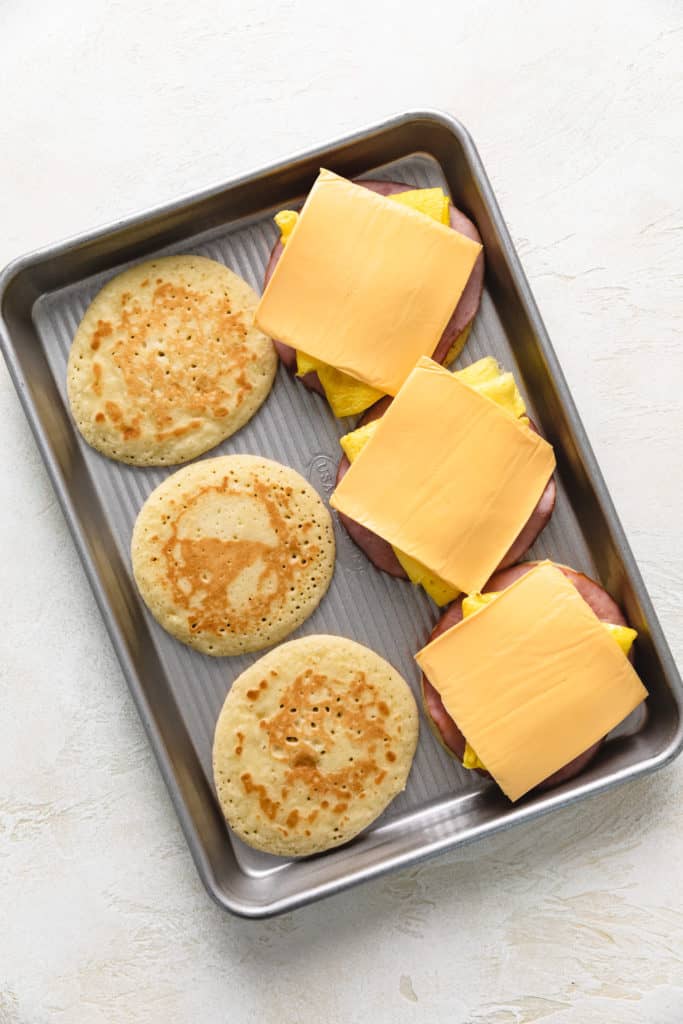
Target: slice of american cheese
{"type": "Point", "coordinates": [489, 379]}
{"type": "Point", "coordinates": [365, 284]}
{"type": "Point", "coordinates": [448, 477]}
{"type": "Point", "coordinates": [532, 679]}
{"type": "Point", "coordinates": [624, 636]}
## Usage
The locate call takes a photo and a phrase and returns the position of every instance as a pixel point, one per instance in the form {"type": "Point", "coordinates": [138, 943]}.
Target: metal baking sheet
{"type": "Point", "coordinates": [178, 691]}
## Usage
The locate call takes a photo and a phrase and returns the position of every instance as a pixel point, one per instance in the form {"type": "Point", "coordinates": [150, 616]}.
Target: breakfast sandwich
{"type": "Point", "coordinates": [448, 481]}
{"type": "Point", "coordinates": [523, 681]}
{"type": "Point", "coordinates": [365, 279]}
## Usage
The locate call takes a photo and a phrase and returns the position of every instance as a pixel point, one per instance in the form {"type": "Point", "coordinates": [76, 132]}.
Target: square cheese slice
{"type": "Point", "coordinates": [365, 284]}
{"type": "Point", "coordinates": [532, 680]}
{"type": "Point", "coordinates": [449, 477]}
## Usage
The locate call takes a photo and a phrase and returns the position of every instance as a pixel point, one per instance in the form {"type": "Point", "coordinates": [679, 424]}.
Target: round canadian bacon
{"type": "Point", "coordinates": [537, 521]}
{"type": "Point", "coordinates": [446, 730]}
{"type": "Point", "coordinates": [381, 553]}
{"type": "Point", "coordinates": [463, 313]}
{"type": "Point", "coordinates": [378, 550]}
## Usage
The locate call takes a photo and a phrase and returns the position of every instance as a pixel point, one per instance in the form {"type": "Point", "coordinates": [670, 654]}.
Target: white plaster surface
{"type": "Point", "coordinates": [110, 107]}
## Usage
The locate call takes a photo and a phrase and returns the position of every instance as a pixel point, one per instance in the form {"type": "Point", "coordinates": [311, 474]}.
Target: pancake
{"type": "Point", "coordinates": [167, 362]}
{"type": "Point", "coordinates": [314, 740]}
{"type": "Point", "coordinates": [231, 554]}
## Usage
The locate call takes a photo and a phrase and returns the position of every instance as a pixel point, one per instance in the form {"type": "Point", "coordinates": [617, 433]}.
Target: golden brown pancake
{"type": "Point", "coordinates": [167, 362]}
{"type": "Point", "coordinates": [313, 741]}
{"type": "Point", "coordinates": [231, 554]}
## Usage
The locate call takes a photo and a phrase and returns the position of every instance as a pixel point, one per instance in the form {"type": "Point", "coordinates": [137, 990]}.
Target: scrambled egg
{"type": "Point", "coordinates": [354, 443]}
{"type": "Point", "coordinates": [286, 221]}
{"type": "Point", "coordinates": [346, 395]}
{"type": "Point", "coordinates": [486, 377]}
{"type": "Point", "coordinates": [623, 635]}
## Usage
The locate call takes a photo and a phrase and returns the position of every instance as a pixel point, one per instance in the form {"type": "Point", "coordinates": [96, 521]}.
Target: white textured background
{"type": "Point", "coordinates": [110, 107]}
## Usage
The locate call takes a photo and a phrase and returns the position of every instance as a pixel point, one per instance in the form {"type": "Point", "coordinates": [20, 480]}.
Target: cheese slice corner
{"type": "Point", "coordinates": [364, 284]}
{"type": "Point", "coordinates": [448, 477]}
{"type": "Point", "coordinates": [533, 679]}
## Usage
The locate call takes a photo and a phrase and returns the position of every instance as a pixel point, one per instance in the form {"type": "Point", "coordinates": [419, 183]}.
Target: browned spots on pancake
{"type": "Point", "coordinates": [303, 759]}
{"type": "Point", "coordinates": [200, 571]}
{"type": "Point", "coordinates": [312, 719]}
{"type": "Point", "coordinates": [383, 709]}
{"type": "Point", "coordinates": [103, 330]}
{"type": "Point", "coordinates": [143, 284]}
{"type": "Point", "coordinates": [240, 741]}
{"type": "Point", "coordinates": [268, 806]}
{"type": "Point", "coordinates": [100, 417]}
{"type": "Point", "coordinates": [164, 435]}
{"type": "Point", "coordinates": [391, 756]}
{"type": "Point", "coordinates": [97, 378]}
{"type": "Point", "coordinates": [263, 685]}
{"type": "Point", "coordinates": [180, 352]}
{"type": "Point", "coordinates": [129, 431]}
{"type": "Point", "coordinates": [253, 695]}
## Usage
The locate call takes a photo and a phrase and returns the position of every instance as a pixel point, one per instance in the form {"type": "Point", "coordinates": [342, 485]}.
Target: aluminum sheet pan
{"type": "Point", "coordinates": [178, 691]}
